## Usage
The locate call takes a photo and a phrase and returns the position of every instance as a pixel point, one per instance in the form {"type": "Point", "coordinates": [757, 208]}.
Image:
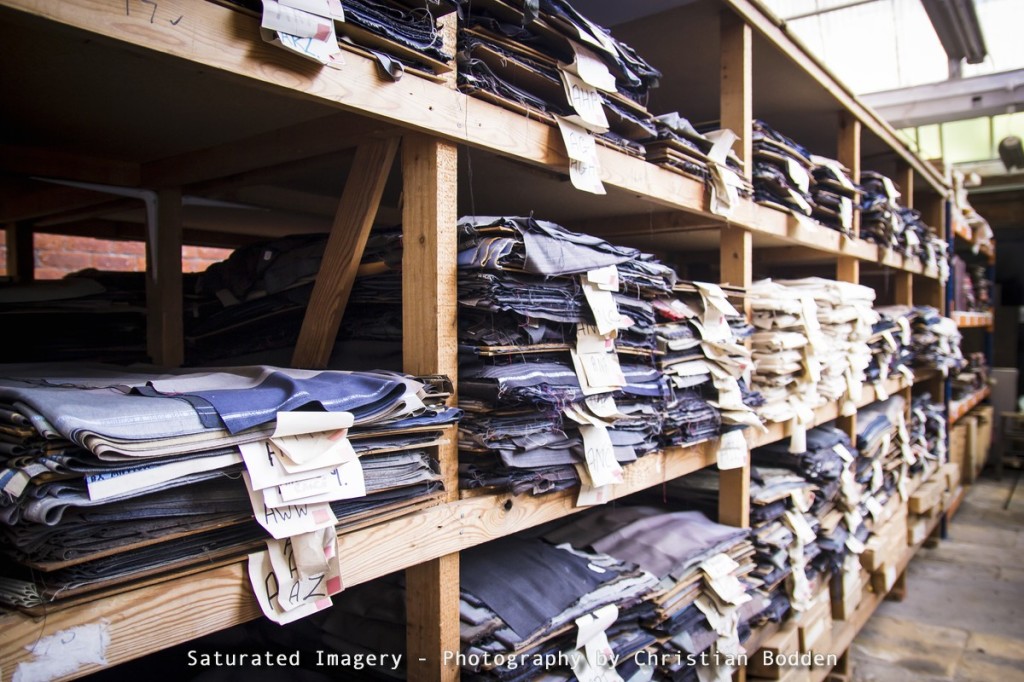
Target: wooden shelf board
{"type": "Point", "coordinates": [965, 319]}
{"type": "Point", "coordinates": [185, 607]}
{"type": "Point", "coordinates": [961, 407]}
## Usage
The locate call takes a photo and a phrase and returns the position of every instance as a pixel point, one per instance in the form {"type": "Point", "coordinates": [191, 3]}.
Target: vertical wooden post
{"type": "Point", "coordinates": [848, 154]}
{"type": "Point", "coordinates": [352, 224]}
{"type": "Point", "coordinates": [737, 269]}
{"type": "Point", "coordinates": [165, 340]}
{"type": "Point", "coordinates": [848, 270]}
{"type": "Point", "coordinates": [21, 257]}
{"type": "Point", "coordinates": [736, 108]}
{"type": "Point", "coordinates": [905, 180]}
{"type": "Point", "coordinates": [429, 321]}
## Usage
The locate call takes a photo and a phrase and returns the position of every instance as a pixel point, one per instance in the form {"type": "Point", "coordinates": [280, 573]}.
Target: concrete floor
{"type": "Point", "coordinates": [963, 616]}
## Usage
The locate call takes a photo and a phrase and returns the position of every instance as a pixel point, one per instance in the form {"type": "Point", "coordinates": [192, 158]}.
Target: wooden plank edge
{"type": "Point", "coordinates": [221, 597]}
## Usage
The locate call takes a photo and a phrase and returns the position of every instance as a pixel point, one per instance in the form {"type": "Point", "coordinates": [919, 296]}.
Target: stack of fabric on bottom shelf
{"type": "Point", "coordinates": [113, 475]}
{"type": "Point", "coordinates": [702, 598]}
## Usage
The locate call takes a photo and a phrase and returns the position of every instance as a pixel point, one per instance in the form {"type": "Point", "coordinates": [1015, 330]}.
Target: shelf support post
{"type": "Point", "coordinates": [737, 268]}
{"type": "Point", "coordinates": [905, 180]}
{"type": "Point", "coordinates": [21, 262]}
{"type": "Point", "coordinates": [848, 270]}
{"type": "Point", "coordinates": [165, 334]}
{"type": "Point", "coordinates": [429, 323]}
{"type": "Point", "coordinates": [848, 154]}
{"type": "Point", "coordinates": [352, 224]}
{"type": "Point", "coordinates": [736, 109]}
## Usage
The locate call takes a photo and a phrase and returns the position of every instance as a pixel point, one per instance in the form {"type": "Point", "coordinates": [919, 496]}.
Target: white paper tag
{"type": "Point", "coordinates": [324, 8]}
{"type": "Point", "coordinates": [732, 450]}
{"type": "Point", "coordinates": [729, 589]}
{"type": "Point", "coordinates": [603, 370]}
{"type": "Point", "coordinates": [307, 35]}
{"type": "Point", "coordinates": [798, 174]}
{"type": "Point", "coordinates": [600, 456]}
{"type": "Point", "coordinates": [843, 452]}
{"type": "Point", "coordinates": [604, 407]}
{"type": "Point", "coordinates": [853, 520]}
{"type": "Point", "coordinates": [584, 167]}
{"type": "Point", "coordinates": [854, 544]}
{"type": "Point", "coordinates": [874, 508]}
{"type": "Point", "coordinates": [345, 482]}
{"type": "Point", "coordinates": [606, 278]}
{"type": "Point", "coordinates": [590, 68]}
{"type": "Point", "coordinates": [265, 586]}
{"type": "Point", "coordinates": [590, 340]}
{"type": "Point", "coordinates": [798, 524]}
{"type": "Point", "coordinates": [877, 476]}
{"type": "Point", "coordinates": [602, 304]}
{"type": "Point", "coordinates": [719, 565]}
{"type": "Point", "coordinates": [589, 495]}
{"type": "Point", "coordinates": [300, 586]}
{"type": "Point", "coordinates": [291, 520]}
{"type": "Point", "coordinates": [587, 102]}
{"type": "Point", "coordinates": [592, 624]}
{"type": "Point", "coordinates": [581, 374]}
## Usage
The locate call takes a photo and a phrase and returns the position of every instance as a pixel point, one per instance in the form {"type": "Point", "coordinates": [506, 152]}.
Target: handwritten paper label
{"type": "Point", "coordinates": [604, 406]}
{"type": "Point", "coordinates": [590, 495]}
{"type": "Point", "coordinates": [295, 22]}
{"type": "Point", "coordinates": [732, 450]}
{"type": "Point", "coordinates": [606, 278]}
{"type": "Point", "coordinates": [267, 589]}
{"type": "Point", "coordinates": [584, 167]}
{"type": "Point", "coordinates": [324, 8]}
{"type": "Point", "coordinates": [587, 102]}
{"type": "Point", "coordinates": [874, 508]}
{"type": "Point", "coordinates": [603, 370]}
{"type": "Point", "coordinates": [602, 304]}
{"type": "Point", "coordinates": [600, 456]}
{"type": "Point", "coordinates": [590, 340]}
{"type": "Point", "coordinates": [843, 452]}
{"type": "Point", "coordinates": [292, 519]}
{"type": "Point", "coordinates": [589, 67]}
{"type": "Point", "coordinates": [315, 451]}
{"type": "Point", "coordinates": [729, 589]}
{"type": "Point", "coordinates": [264, 465]}
{"type": "Point", "coordinates": [302, 584]}
{"type": "Point", "coordinates": [345, 482]}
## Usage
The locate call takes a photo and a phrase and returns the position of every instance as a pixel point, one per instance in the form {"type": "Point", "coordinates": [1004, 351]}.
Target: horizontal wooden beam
{"type": "Point", "coordinates": [316, 138]}
{"type": "Point", "coordinates": [64, 165]}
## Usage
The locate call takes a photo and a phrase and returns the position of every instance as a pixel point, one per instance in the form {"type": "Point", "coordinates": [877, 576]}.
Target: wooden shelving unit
{"type": "Point", "coordinates": [245, 121]}
{"type": "Point", "coordinates": [961, 407]}
{"type": "Point", "coordinates": [972, 319]}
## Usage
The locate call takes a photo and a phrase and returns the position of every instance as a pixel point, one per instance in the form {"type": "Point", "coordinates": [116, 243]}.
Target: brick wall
{"type": "Point", "coordinates": [58, 255]}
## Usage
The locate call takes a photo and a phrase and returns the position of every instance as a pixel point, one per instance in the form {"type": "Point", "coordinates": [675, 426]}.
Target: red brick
{"type": "Point", "coordinates": [49, 273]}
{"type": "Point", "coordinates": [63, 260]}
{"type": "Point", "coordinates": [119, 263]}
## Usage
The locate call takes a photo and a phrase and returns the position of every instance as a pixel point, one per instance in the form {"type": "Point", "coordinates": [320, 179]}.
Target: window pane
{"type": "Point", "coordinates": [966, 140]}
{"type": "Point", "coordinates": [929, 141]}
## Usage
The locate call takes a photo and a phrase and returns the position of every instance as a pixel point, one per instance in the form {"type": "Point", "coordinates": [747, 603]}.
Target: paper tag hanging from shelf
{"type": "Point", "coordinates": [732, 450]}
{"type": "Point", "coordinates": [600, 456]}
{"type": "Point", "coordinates": [581, 148]}
{"type": "Point", "coordinates": [587, 102]}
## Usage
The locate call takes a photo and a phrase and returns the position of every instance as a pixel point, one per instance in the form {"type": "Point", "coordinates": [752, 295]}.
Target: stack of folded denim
{"type": "Point", "coordinates": [702, 566]}
{"type": "Point", "coordinates": [922, 241]}
{"type": "Point", "coordinates": [397, 34]}
{"type": "Point", "coordinates": [833, 194]}
{"type": "Point", "coordinates": [785, 345]}
{"type": "Point", "coordinates": [928, 429]}
{"type": "Point", "coordinates": [704, 363]}
{"type": "Point", "coordinates": [105, 310]}
{"type": "Point", "coordinates": [527, 58]}
{"type": "Point", "coordinates": [973, 377]}
{"type": "Point", "coordinates": [885, 452]}
{"type": "Point", "coordinates": [529, 325]}
{"type": "Point", "coordinates": [845, 316]}
{"type": "Point", "coordinates": [111, 475]}
{"type": "Point", "coordinates": [782, 171]}
{"type": "Point", "coordinates": [521, 598]}
{"type": "Point", "coordinates": [833, 500]}
{"type": "Point", "coordinates": [891, 345]}
{"type": "Point", "coordinates": [880, 219]}
{"type": "Point", "coordinates": [936, 340]}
